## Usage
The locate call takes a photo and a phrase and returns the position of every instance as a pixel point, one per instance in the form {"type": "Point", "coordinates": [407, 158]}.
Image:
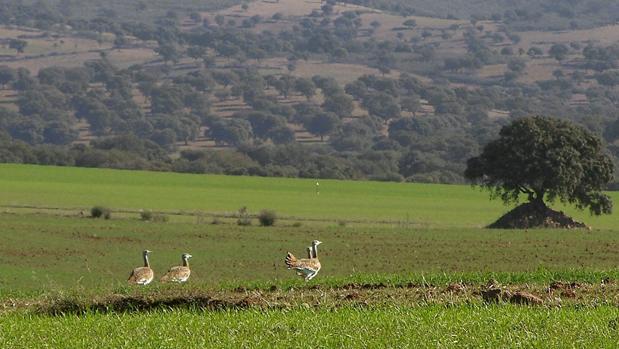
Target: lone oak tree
{"type": "Point", "coordinates": [546, 159]}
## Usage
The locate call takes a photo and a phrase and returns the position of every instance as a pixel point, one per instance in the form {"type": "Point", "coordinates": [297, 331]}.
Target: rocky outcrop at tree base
{"type": "Point", "coordinates": [535, 215]}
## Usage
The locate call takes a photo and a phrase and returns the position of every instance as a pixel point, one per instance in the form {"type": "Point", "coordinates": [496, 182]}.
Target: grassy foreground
{"type": "Point", "coordinates": [347, 327]}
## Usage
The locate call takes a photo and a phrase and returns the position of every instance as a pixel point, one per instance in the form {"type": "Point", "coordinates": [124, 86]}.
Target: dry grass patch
{"type": "Point", "coordinates": [343, 73]}
{"type": "Point", "coordinates": [540, 69]}
{"type": "Point", "coordinates": [605, 35]}
{"type": "Point", "coordinates": [295, 8]}
{"type": "Point", "coordinates": [492, 71]}
{"type": "Point", "coordinates": [127, 57]}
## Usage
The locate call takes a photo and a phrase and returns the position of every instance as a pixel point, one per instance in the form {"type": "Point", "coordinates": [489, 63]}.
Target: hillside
{"type": "Point", "coordinates": [381, 90]}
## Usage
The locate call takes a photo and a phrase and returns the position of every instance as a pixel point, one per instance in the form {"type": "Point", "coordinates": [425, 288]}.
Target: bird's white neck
{"type": "Point", "coordinates": [185, 262]}
{"type": "Point", "coordinates": [315, 250]}
{"type": "Point", "coordinates": [146, 262]}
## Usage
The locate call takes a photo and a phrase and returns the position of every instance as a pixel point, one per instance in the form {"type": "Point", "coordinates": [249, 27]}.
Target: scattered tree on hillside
{"type": "Point", "coordinates": [305, 87]}
{"type": "Point", "coordinates": [517, 65]}
{"type": "Point", "coordinates": [168, 52]}
{"type": "Point", "coordinates": [382, 105]}
{"type": "Point", "coordinates": [18, 45]}
{"type": "Point", "coordinates": [558, 51]}
{"type": "Point", "coordinates": [7, 75]}
{"type": "Point", "coordinates": [232, 132]}
{"type": "Point", "coordinates": [411, 103]}
{"type": "Point", "coordinates": [410, 23]}
{"type": "Point", "coordinates": [322, 124]}
{"type": "Point", "coordinates": [535, 51]}
{"type": "Point", "coordinates": [339, 103]}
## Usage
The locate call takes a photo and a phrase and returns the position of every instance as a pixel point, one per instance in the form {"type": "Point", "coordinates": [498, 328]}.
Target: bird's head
{"type": "Point", "coordinates": [316, 242]}
{"type": "Point", "coordinates": [146, 252]}
{"type": "Point", "coordinates": [186, 256]}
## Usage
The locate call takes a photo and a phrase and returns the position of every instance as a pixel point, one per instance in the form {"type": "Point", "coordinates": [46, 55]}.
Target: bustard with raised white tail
{"type": "Point", "coordinates": [142, 275]}
{"type": "Point", "coordinates": [306, 268]}
{"type": "Point", "coordinates": [178, 273]}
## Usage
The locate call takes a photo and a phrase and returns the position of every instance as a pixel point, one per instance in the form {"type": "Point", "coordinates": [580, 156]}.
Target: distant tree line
{"type": "Point", "coordinates": [411, 131]}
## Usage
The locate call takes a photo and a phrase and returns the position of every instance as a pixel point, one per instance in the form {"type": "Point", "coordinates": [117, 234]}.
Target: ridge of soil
{"type": "Point", "coordinates": [556, 294]}
{"type": "Point", "coordinates": [536, 215]}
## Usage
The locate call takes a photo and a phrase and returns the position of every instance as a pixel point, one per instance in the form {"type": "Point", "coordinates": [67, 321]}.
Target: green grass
{"type": "Point", "coordinates": [347, 327]}
{"type": "Point", "coordinates": [395, 234]}
{"type": "Point", "coordinates": [49, 252]}
{"type": "Point", "coordinates": [418, 204]}
{"type": "Point", "coordinates": [439, 235]}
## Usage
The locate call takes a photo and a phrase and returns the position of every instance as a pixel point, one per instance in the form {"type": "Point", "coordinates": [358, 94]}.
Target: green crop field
{"type": "Point", "coordinates": [391, 252]}
{"type": "Point", "coordinates": [371, 202]}
{"type": "Point", "coordinates": [40, 251]}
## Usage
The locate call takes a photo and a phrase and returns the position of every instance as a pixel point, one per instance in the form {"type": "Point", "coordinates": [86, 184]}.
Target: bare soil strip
{"type": "Point", "coordinates": [556, 294]}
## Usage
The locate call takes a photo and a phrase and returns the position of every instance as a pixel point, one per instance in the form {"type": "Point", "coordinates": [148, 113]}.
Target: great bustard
{"type": "Point", "coordinates": [309, 256]}
{"type": "Point", "coordinates": [178, 273]}
{"type": "Point", "coordinates": [306, 268]}
{"type": "Point", "coordinates": [142, 275]}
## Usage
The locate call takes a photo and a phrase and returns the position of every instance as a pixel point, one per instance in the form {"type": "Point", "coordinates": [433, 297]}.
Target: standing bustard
{"type": "Point", "coordinates": [142, 275]}
{"type": "Point", "coordinates": [306, 268]}
{"type": "Point", "coordinates": [309, 256]}
{"type": "Point", "coordinates": [178, 273]}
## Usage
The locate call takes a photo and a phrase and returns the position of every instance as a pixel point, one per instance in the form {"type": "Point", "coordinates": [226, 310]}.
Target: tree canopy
{"type": "Point", "coordinates": [545, 158]}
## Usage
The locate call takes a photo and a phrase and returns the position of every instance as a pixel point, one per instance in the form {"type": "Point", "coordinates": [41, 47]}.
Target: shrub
{"type": "Point", "coordinates": [267, 218]}
{"type": "Point", "coordinates": [216, 221]}
{"type": "Point", "coordinates": [100, 211]}
{"type": "Point", "coordinates": [155, 217]}
{"type": "Point", "coordinates": [158, 217]}
{"type": "Point", "coordinates": [146, 215]}
{"type": "Point", "coordinates": [243, 217]}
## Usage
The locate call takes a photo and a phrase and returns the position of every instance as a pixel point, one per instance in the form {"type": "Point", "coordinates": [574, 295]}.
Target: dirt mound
{"type": "Point", "coordinates": [122, 303]}
{"type": "Point", "coordinates": [455, 288]}
{"type": "Point", "coordinates": [498, 295]}
{"type": "Point", "coordinates": [535, 215]}
{"type": "Point", "coordinates": [525, 298]}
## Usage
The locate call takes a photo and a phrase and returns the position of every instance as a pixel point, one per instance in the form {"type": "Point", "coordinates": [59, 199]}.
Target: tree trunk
{"type": "Point", "coordinates": [538, 200]}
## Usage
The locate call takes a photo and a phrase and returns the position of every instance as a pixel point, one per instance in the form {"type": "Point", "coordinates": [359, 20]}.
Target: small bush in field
{"type": "Point", "coordinates": [267, 218]}
{"type": "Point", "coordinates": [217, 221]}
{"type": "Point", "coordinates": [100, 212]}
{"type": "Point", "coordinates": [154, 217]}
{"type": "Point", "coordinates": [146, 215]}
{"type": "Point", "coordinates": [158, 217]}
{"type": "Point", "coordinates": [243, 217]}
